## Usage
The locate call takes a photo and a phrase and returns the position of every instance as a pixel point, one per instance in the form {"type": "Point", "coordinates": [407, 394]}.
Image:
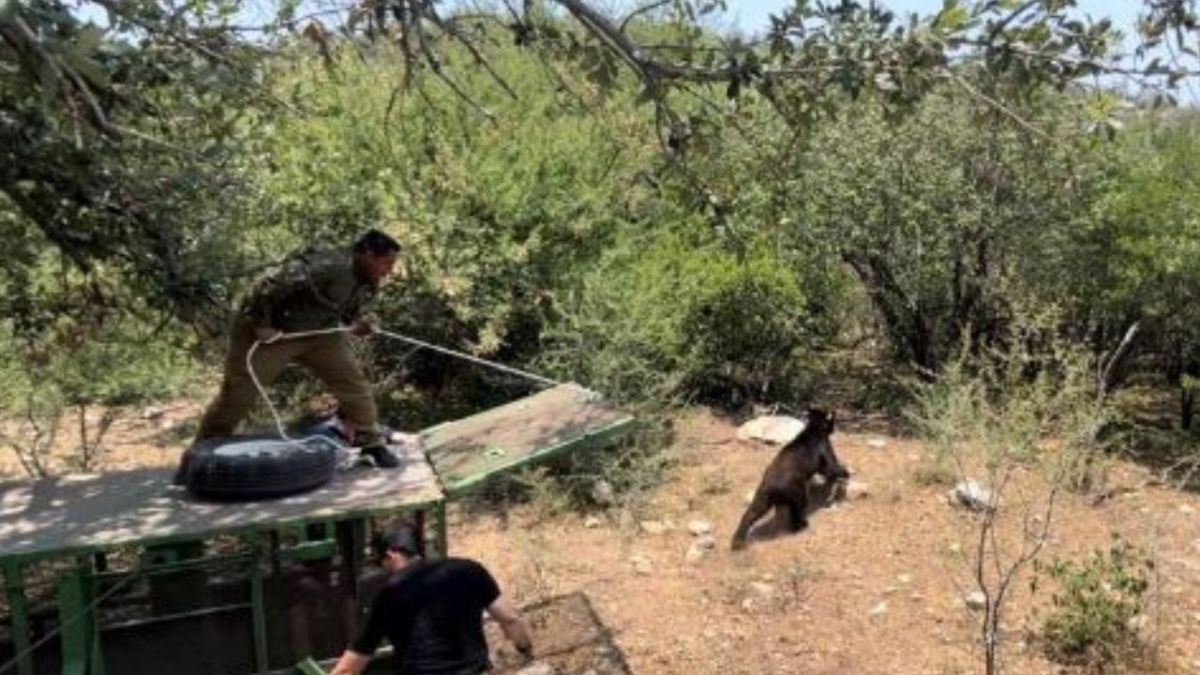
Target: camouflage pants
{"type": "Point", "coordinates": [327, 356]}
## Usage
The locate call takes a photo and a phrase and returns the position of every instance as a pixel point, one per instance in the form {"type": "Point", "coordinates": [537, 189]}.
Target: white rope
{"type": "Point", "coordinates": [417, 344]}
{"type": "Point", "coordinates": [473, 359]}
{"type": "Point", "coordinates": [263, 392]}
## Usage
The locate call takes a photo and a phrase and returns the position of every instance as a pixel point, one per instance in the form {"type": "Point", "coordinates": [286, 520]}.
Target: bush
{"type": "Point", "coordinates": [1014, 404]}
{"type": "Point", "coordinates": [1093, 611]}
{"type": "Point", "coordinates": [666, 318]}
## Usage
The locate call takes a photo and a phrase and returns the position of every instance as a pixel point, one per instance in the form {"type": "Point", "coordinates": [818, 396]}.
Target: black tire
{"type": "Point", "coordinates": [247, 468]}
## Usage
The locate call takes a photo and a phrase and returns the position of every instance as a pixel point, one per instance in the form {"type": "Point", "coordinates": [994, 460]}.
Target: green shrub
{"type": "Point", "coordinates": [1011, 405]}
{"type": "Point", "coordinates": [1092, 613]}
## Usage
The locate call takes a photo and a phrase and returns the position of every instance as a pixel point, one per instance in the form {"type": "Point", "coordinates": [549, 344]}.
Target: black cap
{"type": "Point", "coordinates": [402, 539]}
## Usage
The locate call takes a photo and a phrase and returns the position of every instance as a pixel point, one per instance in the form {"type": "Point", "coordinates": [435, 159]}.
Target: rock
{"type": "Point", "coordinates": [153, 412]}
{"type": "Point", "coordinates": [855, 489]}
{"type": "Point", "coordinates": [695, 554]}
{"type": "Point", "coordinates": [955, 548]}
{"type": "Point", "coordinates": [537, 669]}
{"type": "Point", "coordinates": [904, 578]}
{"type": "Point", "coordinates": [763, 590]}
{"type": "Point", "coordinates": [1186, 509]}
{"type": "Point", "coordinates": [706, 542]}
{"type": "Point", "coordinates": [748, 497]}
{"type": "Point", "coordinates": [879, 609]}
{"type": "Point", "coordinates": [775, 429]}
{"type": "Point", "coordinates": [916, 597]}
{"type": "Point", "coordinates": [877, 443]}
{"type": "Point", "coordinates": [603, 493]}
{"type": "Point", "coordinates": [699, 527]}
{"type": "Point", "coordinates": [653, 527]}
{"type": "Point", "coordinates": [642, 564]}
{"type": "Point", "coordinates": [891, 590]}
{"type": "Point", "coordinates": [970, 494]}
{"type": "Point", "coordinates": [975, 600]}
{"type": "Point", "coordinates": [1139, 625]}
{"type": "Point", "coordinates": [592, 522]}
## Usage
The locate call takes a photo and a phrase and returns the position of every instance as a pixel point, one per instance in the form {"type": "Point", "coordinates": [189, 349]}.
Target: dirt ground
{"type": "Point", "coordinates": [876, 584]}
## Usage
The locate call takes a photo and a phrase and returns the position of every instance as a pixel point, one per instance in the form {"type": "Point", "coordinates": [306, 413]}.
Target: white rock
{"type": "Point", "coordinates": [642, 564]}
{"type": "Point", "coordinates": [592, 522]}
{"type": "Point", "coordinates": [653, 527]}
{"type": "Point", "coordinates": [970, 494]}
{"type": "Point", "coordinates": [975, 600]}
{"type": "Point", "coordinates": [878, 609]}
{"type": "Point", "coordinates": [877, 443]}
{"type": "Point", "coordinates": [776, 429]}
{"type": "Point", "coordinates": [748, 497]}
{"type": "Point", "coordinates": [699, 527]}
{"type": "Point", "coordinates": [857, 489]}
{"type": "Point", "coordinates": [1139, 624]}
{"type": "Point", "coordinates": [603, 493]}
{"type": "Point", "coordinates": [1186, 509]}
{"type": "Point", "coordinates": [537, 669]}
{"type": "Point", "coordinates": [706, 542]}
{"type": "Point", "coordinates": [764, 590]}
{"type": "Point", "coordinates": [904, 578]}
{"type": "Point", "coordinates": [695, 554]}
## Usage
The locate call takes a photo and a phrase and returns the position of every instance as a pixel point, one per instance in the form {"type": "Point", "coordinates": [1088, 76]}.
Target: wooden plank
{"type": "Point", "coordinates": [83, 513]}
{"type": "Point", "coordinates": [568, 417]}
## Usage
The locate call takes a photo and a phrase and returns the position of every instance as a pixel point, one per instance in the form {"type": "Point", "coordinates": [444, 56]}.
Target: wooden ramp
{"type": "Point", "coordinates": [564, 419]}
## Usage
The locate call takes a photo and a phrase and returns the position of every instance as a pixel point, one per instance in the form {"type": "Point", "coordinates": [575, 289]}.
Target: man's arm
{"type": "Point", "coordinates": [351, 663]}
{"type": "Point", "coordinates": [515, 628]}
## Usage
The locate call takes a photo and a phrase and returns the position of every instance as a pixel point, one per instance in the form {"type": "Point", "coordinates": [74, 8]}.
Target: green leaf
{"type": "Point", "coordinates": [89, 39]}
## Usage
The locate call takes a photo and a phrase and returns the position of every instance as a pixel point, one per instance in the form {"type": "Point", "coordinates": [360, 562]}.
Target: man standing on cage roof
{"type": "Point", "coordinates": [315, 290]}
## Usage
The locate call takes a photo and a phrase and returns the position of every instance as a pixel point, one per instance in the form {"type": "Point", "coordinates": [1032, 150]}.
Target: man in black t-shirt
{"type": "Point", "coordinates": [432, 613]}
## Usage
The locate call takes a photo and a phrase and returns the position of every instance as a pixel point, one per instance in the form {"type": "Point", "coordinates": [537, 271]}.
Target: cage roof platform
{"type": "Point", "coordinates": [78, 514]}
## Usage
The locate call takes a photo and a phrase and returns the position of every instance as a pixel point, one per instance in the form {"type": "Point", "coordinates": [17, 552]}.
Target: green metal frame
{"type": "Point", "coordinates": [14, 590]}
{"type": "Point", "coordinates": [344, 533]}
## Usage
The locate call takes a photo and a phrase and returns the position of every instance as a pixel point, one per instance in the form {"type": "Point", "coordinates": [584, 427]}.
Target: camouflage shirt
{"type": "Point", "coordinates": [310, 290]}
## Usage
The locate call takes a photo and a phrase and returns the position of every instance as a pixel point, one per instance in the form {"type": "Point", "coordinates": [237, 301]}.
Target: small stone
{"type": "Point", "coordinates": [857, 490]}
{"type": "Point", "coordinates": [1145, 510]}
{"type": "Point", "coordinates": [877, 443]}
{"type": "Point", "coordinates": [904, 578]}
{"type": "Point", "coordinates": [955, 548]}
{"type": "Point", "coordinates": [591, 522]}
{"type": "Point", "coordinates": [603, 493]}
{"type": "Point", "coordinates": [748, 605]}
{"type": "Point", "coordinates": [537, 669]}
{"type": "Point", "coordinates": [975, 600]}
{"type": "Point", "coordinates": [891, 590]}
{"type": "Point", "coordinates": [699, 527]}
{"type": "Point", "coordinates": [695, 554]}
{"type": "Point", "coordinates": [705, 542]}
{"type": "Point", "coordinates": [1186, 509]}
{"type": "Point", "coordinates": [1139, 624]}
{"type": "Point", "coordinates": [971, 495]}
{"type": "Point", "coordinates": [748, 497]}
{"type": "Point", "coordinates": [642, 564]}
{"type": "Point", "coordinates": [764, 590]}
{"type": "Point", "coordinates": [879, 609]}
{"type": "Point", "coordinates": [916, 597]}
{"type": "Point", "coordinates": [653, 527]}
